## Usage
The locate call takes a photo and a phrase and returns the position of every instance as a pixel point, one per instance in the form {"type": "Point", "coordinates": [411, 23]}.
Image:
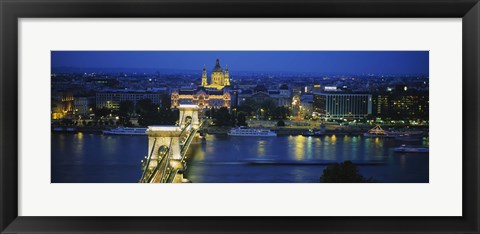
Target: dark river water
{"type": "Point", "coordinates": [93, 158]}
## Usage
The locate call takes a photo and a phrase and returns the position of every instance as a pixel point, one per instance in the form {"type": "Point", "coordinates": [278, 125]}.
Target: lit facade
{"type": "Point", "coordinates": [201, 97]}
{"type": "Point", "coordinates": [111, 100]}
{"type": "Point", "coordinates": [402, 104]}
{"type": "Point", "coordinates": [281, 96]}
{"type": "Point", "coordinates": [342, 105]}
{"type": "Point", "coordinates": [62, 105]}
{"type": "Point", "coordinates": [82, 105]}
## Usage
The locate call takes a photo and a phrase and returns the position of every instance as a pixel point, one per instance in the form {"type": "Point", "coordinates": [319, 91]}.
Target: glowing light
{"type": "Point", "coordinates": [334, 139]}
{"type": "Point", "coordinates": [299, 149]}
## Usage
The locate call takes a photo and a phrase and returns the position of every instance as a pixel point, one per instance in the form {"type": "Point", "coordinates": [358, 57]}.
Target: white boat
{"type": "Point", "coordinates": [126, 131]}
{"type": "Point", "coordinates": [311, 132]}
{"type": "Point", "coordinates": [405, 149]}
{"type": "Point", "coordinates": [245, 131]}
{"type": "Point", "coordinates": [65, 129]}
{"type": "Point", "coordinates": [320, 132]}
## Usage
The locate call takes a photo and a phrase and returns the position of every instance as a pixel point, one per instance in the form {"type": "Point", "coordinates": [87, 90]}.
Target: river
{"type": "Point", "coordinates": [94, 158]}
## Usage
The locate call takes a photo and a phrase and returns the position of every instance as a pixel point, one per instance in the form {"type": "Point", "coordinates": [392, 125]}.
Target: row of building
{"type": "Point", "coordinates": [326, 103]}
{"type": "Point", "coordinates": [217, 92]}
{"type": "Point", "coordinates": [66, 104]}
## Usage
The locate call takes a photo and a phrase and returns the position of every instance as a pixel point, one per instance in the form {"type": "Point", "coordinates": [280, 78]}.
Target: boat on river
{"type": "Point", "coordinates": [126, 131]}
{"type": "Point", "coordinates": [411, 149]}
{"type": "Point", "coordinates": [320, 132]}
{"type": "Point", "coordinates": [377, 131]}
{"type": "Point", "coordinates": [251, 132]}
{"type": "Point", "coordinates": [65, 129]}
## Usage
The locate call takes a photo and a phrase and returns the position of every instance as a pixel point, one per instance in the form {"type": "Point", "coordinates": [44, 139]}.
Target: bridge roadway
{"type": "Point", "coordinates": [168, 170]}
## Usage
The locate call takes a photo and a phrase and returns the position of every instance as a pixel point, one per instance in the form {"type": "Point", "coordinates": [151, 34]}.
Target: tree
{"type": "Point", "coordinates": [67, 122]}
{"type": "Point", "coordinates": [223, 117]}
{"type": "Point", "coordinates": [280, 123]}
{"type": "Point", "coordinates": [145, 107]}
{"type": "Point", "coordinates": [166, 102]}
{"type": "Point", "coordinates": [345, 172]}
{"type": "Point", "coordinates": [280, 112]}
{"type": "Point", "coordinates": [268, 106]}
{"type": "Point", "coordinates": [126, 108]}
{"type": "Point", "coordinates": [154, 116]}
{"type": "Point", "coordinates": [241, 119]}
{"type": "Point", "coordinates": [211, 113]}
{"type": "Point", "coordinates": [249, 106]}
{"type": "Point", "coordinates": [102, 112]}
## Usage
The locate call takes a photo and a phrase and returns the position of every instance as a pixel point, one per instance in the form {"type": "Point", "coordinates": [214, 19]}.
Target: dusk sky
{"type": "Point", "coordinates": [339, 62]}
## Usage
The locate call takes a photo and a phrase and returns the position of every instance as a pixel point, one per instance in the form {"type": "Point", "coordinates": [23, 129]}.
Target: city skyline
{"type": "Point", "coordinates": [218, 124]}
{"type": "Point", "coordinates": [326, 62]}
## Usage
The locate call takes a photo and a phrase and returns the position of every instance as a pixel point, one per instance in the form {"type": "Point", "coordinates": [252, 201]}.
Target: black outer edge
{"type": "Point", "coordinates": [8, 118]}
{"type": "Point", "coordinates": [10, 11]}
{"type": "Point", "coordinates": [241, 8]}
{"type": "Point", "coordinates": [470, 106]}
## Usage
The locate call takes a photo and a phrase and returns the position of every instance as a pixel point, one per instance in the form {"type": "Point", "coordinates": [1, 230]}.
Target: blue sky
{"type": "Point", "coordinates": [339, 62]}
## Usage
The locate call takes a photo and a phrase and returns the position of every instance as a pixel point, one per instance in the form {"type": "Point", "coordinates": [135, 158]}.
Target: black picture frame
{"type": "Point", "coordinates": [11, 11]}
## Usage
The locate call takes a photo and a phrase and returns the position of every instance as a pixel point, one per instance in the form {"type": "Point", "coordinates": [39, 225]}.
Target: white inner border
{"type": "Point", "coordinates": [441, 197]}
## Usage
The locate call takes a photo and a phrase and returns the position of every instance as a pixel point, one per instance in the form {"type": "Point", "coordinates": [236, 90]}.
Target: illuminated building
{"type": "Point", "coordinates": [381, 105]}
{"type": "Point", "coordinates": [112, 99]}
{"type": "Point", "coordinates": [82, 105]}
{"type": "Point", "coordinates": [306, 104]}
{"type": "Point", "coordinates": [218, 79]}
{"type": "Point", "coordinates": [402, 104]}
{"type": "Point", "coordinates": [281, 96]}
{"type": "Point", "coordinates": [62, 105]}
{"type": "Point", "coordinates": [202, 97]}
{"type": "Point", "coordinates": [207, 95]}
{"type": "Point", "coordinates": [342, 105]}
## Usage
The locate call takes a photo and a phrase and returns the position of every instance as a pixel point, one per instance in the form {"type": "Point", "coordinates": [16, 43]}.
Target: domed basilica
{"type": "Point", "coordinates": [207, 95]}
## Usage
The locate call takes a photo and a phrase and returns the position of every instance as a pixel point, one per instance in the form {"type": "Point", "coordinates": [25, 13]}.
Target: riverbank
{"type": "Point", "coordinates": [330, 129]}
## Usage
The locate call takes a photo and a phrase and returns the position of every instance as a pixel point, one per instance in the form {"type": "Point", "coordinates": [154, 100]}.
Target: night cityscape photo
{"type": "Point", "coordinates": [239, 116]}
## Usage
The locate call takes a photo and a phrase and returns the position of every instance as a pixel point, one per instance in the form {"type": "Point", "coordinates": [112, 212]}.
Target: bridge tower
{"type": "Point", "coordinates": [188, 112]}
{"type": "Point", "coordinates": [167, 146]}
{"type": "Point", "coordinates": [165, 152]}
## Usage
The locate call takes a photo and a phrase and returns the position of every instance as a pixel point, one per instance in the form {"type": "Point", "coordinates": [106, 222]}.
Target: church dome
{"type": "Point", "coordinates": [217, 67]}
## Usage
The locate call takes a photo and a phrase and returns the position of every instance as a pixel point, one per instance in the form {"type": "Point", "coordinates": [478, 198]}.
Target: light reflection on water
{"type": "Point", "coordinates": [90, 158]}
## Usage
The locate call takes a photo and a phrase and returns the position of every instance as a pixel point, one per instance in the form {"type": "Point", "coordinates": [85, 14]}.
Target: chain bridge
{"type": "Point", "coordinates": [167, 146]}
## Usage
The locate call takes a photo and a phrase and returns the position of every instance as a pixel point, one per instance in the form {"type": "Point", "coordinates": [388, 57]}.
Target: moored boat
{"type": "Point", "coordinates": [377, 131]}
{"type": "Point", "coordinates": [320, 132]}
{"type": "Point", "coordinates": [65, 129]}
{"type": "Point", "coordinates": [126, 131]}
{"type": "Point", "coordinates": [409, 138]}
{"type": "Point", "coordinates": [411, 149]}
{"type": "Point", "coordinates": [245, 131]}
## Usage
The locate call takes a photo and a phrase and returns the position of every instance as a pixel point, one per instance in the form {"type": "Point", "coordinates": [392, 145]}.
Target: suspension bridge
{"type": "Point", "coordinates": [166, 161]}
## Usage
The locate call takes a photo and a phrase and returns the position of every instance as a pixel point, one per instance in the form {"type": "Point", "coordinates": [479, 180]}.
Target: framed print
{"type": "Point", "coordinates": [269, 116]}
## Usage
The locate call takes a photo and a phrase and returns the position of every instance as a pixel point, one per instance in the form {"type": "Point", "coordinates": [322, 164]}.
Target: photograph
{"type": "Point", "coordinates": [239, 116]}
{"type": "Point", "coordinates": [278, 116]}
